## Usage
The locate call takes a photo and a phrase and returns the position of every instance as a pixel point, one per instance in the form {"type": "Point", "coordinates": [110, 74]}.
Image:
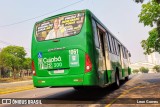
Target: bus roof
{"type": "Point", "coordinates": [85, 10]}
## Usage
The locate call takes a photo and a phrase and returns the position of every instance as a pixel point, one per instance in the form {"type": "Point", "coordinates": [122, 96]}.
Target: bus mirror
{"type": "Point", "coordinates": [129, 54]}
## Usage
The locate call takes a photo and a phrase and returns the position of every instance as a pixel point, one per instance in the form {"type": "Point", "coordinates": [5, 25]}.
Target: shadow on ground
{"type": "Point", "coordinates": [92, 95]}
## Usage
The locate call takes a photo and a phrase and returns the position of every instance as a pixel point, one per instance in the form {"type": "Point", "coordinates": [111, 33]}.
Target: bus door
{"type": "Point", "coordinates": [121, 57]}
{"type": "Point", "coordinates": [102, 57]}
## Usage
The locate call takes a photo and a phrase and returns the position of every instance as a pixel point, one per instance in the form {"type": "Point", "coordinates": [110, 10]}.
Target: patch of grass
{"type": "Point", "coordinates": [8, 80]}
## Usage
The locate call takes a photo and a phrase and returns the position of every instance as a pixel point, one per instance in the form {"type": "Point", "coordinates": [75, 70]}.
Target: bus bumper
{"type": "Point", "coordinates": [64, 81]}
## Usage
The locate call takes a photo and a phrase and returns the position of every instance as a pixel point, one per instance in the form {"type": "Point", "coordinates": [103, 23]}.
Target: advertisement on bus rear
{"type": "Point", "coordinates": [59, 27]}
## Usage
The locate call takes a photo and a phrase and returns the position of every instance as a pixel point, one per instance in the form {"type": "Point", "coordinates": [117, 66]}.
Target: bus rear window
{"type": "Point", "coordinates": [62, 26]}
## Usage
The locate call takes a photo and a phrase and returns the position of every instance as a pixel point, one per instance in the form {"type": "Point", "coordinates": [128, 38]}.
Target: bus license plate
{"type": "Point", "coordinates": [58, 71]}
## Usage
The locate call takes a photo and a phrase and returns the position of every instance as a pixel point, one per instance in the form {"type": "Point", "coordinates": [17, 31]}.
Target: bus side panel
{"type": "Point", "coordinates": [90, 78]}
{"type": "Point", "coordinates": [129, 70]}
{"type": "Point", "coordinates": [125, 69]}
{"type": "Point", "coordinates": [109, 74]}
{"type": "Point", "coordinates": [115, 65]}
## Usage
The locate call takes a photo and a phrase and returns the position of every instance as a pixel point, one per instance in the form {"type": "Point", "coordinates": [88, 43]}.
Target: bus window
{"type": "Point", "coordinates": [124, 53]}
{"type": "Point", "coordinates": [118, 48]}
{"type": "Point", "coordinates": [116, 43]}
{"type": "Point", "coordinates": [63, 26]}
{"type": "Point", "coordinates": [109, 46]}
{"type": "Point", "coordinates": [110, 40]}
{"type": "Point", "coordinates": [101, 34]}
{"type": "Point", "coordinates": [95, 33]}
{"type": "Point", "coordinates": [113, 45]}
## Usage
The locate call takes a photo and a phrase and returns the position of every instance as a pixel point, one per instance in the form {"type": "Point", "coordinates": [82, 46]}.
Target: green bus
{"type": "Point", "coordinates": [75, 49]}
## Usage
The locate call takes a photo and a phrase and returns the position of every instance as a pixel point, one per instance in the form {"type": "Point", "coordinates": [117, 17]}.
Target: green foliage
{"type": "Point", "coordinates": [157, 68]}
{"type": "Point", "coordinates": [27, 63]}
{"type": "Point", "coordinates": [13, 58]}
{"type": "Point", "coordinates": [144, 70]}
{"type": "Point", "coordinates": [135, 71]}
{"type": "Point", "coordinates": [152, 44]}
{"type": "Point", "coordinates": [150, 13]}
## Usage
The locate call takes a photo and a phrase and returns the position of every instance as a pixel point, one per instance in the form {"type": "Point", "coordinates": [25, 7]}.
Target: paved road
{"type": "Point", "coordinates": [16, 84]}
{"type": "Point", "coordinates": [139, 86]}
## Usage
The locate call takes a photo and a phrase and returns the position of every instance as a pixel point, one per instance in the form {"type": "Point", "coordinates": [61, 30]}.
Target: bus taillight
{"type": "Point", "coordinates": [88, 66]}
{"type": "Point", "coordinates": [33, 69]}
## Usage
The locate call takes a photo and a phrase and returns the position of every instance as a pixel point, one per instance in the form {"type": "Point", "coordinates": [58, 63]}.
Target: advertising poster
{"type": "Point", "coordinates": [60, 27]}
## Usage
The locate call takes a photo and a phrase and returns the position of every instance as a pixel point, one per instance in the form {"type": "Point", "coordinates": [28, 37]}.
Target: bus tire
{"type": "Point", "coordinates": [117, 81]}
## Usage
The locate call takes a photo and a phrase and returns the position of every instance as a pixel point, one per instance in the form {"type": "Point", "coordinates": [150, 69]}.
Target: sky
{"type": "Point", "coordinates": [119, 16]}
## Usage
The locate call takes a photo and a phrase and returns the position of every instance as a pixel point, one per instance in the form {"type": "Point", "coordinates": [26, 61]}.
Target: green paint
{"type": "Point", "coordinates": [109, 74]}
{"type": "Point", "coordinates": [129, 70]}
{"type": "Point", "coordinates": [123, 73]}
{"type": "Point", "coordinates": [68, 54]}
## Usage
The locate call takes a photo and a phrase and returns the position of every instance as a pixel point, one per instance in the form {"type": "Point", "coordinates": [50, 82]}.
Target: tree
{"type": "Point", "coordinates": [135, 71]}
{"type": "Point", "coordinates": [150, 15]}
{"type": "Point", "coordinates": [157, 68]}
{"type": "Point", "coordinates": [144, 70]}
{"type": "Point", "coordinates": [152, 44]}
{"type": "Point", "coordinates": [13, 57]}
{"type": "Point", "coordinates": [27, 64]}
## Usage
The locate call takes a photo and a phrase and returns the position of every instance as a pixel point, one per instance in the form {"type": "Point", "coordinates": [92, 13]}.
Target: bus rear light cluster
{"type": "Point", "coordinates": [88, 64]}
{"type": "Point", "coordinates": [33, 69]}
